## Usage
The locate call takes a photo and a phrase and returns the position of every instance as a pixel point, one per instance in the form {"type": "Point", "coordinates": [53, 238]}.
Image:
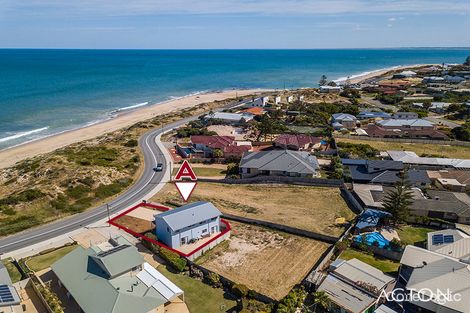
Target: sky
{"type": "Point", "coordinates": [234, 24]}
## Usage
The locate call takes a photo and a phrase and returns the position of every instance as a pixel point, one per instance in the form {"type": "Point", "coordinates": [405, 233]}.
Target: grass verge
{"type": "Point", "coordinates": [386, 266]}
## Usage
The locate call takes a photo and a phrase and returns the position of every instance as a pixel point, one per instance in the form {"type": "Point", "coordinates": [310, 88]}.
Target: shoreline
{"type": "Point", "coordinates": [361, 77]}
{"type": "Point", "coordinates": [126, 117]}
{"type": "Point", "coordinates": [11, 155]}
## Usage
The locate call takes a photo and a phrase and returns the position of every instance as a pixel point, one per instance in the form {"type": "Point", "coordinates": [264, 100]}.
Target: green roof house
{"type": "Point", "coordinates": [114, 279]}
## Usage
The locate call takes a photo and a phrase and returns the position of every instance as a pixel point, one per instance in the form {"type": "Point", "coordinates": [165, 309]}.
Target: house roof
{"type": "Point", "coordinates": [342, 284]}
{"type": "Point", "coordinates": [372, 114]}
{"type": "Point", "coordinates": [214, 142]}
{"type": "Point", "coordinates": [234, 117]}
{"type": "Point", "coordinates": [78, 272]}
{"type": "Point", "coordinates": [298, 140]}
{"type": "Point", "coordinates": [440, 201]}
{"type": "Point", "coordinates": [118, 260]}
{"type": "Point", "coordinates": [255, 111]}
{"type": "Point", "coordinates": [462, 177]}
{"type": "Point", "coordinates": [433, 271]}
{"type": "Point", "coordinates": [284, 161]}
{"type": "Point", "coordinates": [405, 122]}
{"type": "Point", "coordinates": [4, 276]}
{"type": "Point", "coordinates": [412, 158]}
{"type": "Point", "coordinates": [189, 214]}
{"type": "Point", "coordinates": [455, 233]}
{"type": "Point", "coordinates": [357, 271]}
{"type": "Point", "coordinates": [378, 131]}
{"type": "Point", "coordinates": [345, 295]}
{"type": "Point", "coordinates": [339, 117]}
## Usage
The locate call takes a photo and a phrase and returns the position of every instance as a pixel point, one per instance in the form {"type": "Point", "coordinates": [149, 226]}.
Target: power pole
{"type": "Point", "coordinates": [107, 209]}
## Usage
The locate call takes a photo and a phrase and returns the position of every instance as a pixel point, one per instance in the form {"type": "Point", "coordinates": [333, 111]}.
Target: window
{"type": "Point", "coordinates": [204, 231]}
{"type": "Point", "coordinates": [184, 240]}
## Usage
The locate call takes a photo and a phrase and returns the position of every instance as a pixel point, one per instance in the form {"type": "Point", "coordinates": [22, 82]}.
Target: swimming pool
{"type": "Point", "coordinates": [370, 238]}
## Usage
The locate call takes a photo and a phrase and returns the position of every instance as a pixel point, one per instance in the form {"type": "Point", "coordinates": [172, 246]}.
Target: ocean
{"type": "Point", "coordinates": [43, 92]}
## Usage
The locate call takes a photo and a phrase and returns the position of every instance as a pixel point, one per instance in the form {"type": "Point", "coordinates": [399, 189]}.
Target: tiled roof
{"type": "Point", "coordinates": [296, 140]}
{"type": "Point", "coordinates": [214, 142]}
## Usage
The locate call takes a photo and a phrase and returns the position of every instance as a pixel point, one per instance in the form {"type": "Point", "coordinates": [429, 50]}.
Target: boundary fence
{"type": "Point", "coordinates": [191, 255]}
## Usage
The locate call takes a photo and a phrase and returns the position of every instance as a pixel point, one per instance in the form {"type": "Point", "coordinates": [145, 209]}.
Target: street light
{"type": "Point", "coordinates": [107, 209]}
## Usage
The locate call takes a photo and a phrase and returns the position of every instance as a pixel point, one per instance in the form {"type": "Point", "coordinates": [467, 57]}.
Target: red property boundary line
{"type": "Point", "coordinates": [163, 209]}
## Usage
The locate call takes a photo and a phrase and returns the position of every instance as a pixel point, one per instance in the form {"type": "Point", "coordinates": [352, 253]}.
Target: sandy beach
{"type": "Point", "coordinates": [356, 79]}
{"type": "Point", "coordinates": [10, 156]}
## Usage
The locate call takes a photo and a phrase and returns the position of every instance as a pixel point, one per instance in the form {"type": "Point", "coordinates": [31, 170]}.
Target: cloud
{"type": "Point", "coordinates": [272, 7]}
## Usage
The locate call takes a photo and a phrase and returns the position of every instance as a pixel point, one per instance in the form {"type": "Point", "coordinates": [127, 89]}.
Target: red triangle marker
{"type": "Point", "coordinates": [185, 171]}
{"type": "Point", "coordinates": [185, 188]}
{"type": "Point", "coordinates": [185, 180]}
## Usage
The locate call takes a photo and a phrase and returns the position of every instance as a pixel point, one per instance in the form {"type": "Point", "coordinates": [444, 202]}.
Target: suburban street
{"type": "Point", "coordinates": [142, 189]}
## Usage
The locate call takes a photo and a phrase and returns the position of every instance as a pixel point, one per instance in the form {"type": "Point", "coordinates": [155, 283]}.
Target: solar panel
{"type": "Point", "coordinates": [5, 294]}
{"type": "Point", "coordinates": [437, 239]}
{"type": "Point", "coordinates": [448, 238]}
{"type": "Point", "coordinates": [111, 251]}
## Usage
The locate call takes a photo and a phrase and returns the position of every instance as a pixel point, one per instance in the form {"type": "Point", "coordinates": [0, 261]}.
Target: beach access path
{"type": "Point", "coordinates": [146, 186]}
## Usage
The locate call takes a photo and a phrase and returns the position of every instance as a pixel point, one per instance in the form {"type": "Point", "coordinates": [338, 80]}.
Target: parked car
{"type": "Point", "coordinates": [158, 168]}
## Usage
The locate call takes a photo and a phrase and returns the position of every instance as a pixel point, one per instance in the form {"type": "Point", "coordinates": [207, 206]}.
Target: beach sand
{"type": "Point", "coordinates": [375, 74]}
{"type": "Point", "coordinates": [10, 156]}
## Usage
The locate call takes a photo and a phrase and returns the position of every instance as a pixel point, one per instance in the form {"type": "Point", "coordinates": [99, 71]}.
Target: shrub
{"type": "Point", "coordinates": [60, 204]}
{"type": "Point", "coordinates": [131, 143]}
{"type": "Point", "coordinates": [292, 301]}
{"type": "Point", "coordinates": [214, 279]}
{"type": "Point", "coordinates": [27, 195]}
{"type": "Point", "coordinates": [396, 245]}
{"type": "Point", "coordinates": [78, 191]}
{"type": "Point", "coordinates": [88, 181]}
{"type": "Point", "coordinates": [105, 191]}
{"type": "Point", "coordinates": [240, 290]}
{"type": "Point", "coordinates": [51, 299]}
{"type": "Point", "coordinates": [175, 261]}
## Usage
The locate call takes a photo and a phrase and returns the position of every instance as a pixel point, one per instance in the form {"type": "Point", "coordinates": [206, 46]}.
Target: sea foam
{"type": "Point", "coordinates": [23, 134]}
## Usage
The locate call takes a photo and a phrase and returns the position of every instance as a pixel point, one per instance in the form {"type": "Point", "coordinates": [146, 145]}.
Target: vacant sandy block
{"type": "Point", "coordinates": [135, 224]}
{"type": "Point", "coordinates": [144, 213]}
{"type": "Point", "coordinates": [311, 208]}
{"type": "Point", "coordinates": [267, 261]}
{"type": "Point", "coordinates": [226, 130]}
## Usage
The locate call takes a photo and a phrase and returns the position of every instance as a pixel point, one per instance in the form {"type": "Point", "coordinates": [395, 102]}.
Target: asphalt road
{"type": "Point", "coordinates": [140, 190]}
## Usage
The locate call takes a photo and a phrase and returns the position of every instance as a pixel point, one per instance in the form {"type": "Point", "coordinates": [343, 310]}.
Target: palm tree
{"type": "Point", "coordinates": [320, 298]}
{"type": "Point", "coordinates": [399, 200]}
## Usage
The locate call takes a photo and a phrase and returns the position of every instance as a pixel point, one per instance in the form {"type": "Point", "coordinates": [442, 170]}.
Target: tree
{"type": "Point", "coordinates": [399, 200]}
{"type": "Point", "coordinates": [462, 132]}
{"type": "Point", "coordinates": [321, 299]}
{"type": "Point", "coordinates": [323, 80]}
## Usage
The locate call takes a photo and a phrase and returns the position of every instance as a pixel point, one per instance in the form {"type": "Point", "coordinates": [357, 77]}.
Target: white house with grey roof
{"type": "Point", "coordinates": [113, 278]}
{"type": "Point", "coordinates": [279, 163]}
{"type": "Point", "coordinates": [354, 286]}
{"type": "Point", "coordinates": [429, 272]}
{"type": "Point", "coordinates": [187, 224]}
{"type": "Point", "coordinates": [411, 158]}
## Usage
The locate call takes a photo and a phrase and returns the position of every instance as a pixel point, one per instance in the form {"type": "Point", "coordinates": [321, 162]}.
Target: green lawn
{"type": "Point", "coordinates": [412, 235]}
{"type": "Point", "coordinates": [206, 171]}
{"type": "Point", "coordinates": [43, 261]}
{"type": "Point", "coordinates": [15, 275]}
{"type": "Point", "coordinates": [386, 266]}
{"type": "Point", "coordinates": [199, 297]}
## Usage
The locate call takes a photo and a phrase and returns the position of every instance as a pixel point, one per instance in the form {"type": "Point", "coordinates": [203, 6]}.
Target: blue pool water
{"type": "Point", "coordinates": [370, 238]}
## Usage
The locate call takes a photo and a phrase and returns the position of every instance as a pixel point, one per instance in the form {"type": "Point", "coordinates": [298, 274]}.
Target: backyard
{"type": "Point", "coordinates": [310, 208]}
{"type": "Point", "coordinates": [386, 266]}
{"type": "Point", "coordinates": [266, 261]}
{"type": "Point", "coordinates": [446, 151]}
{"type": "Point", "coordinates": [199, 296]}
{"type": "Point", "coordinates": [414, 235]}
